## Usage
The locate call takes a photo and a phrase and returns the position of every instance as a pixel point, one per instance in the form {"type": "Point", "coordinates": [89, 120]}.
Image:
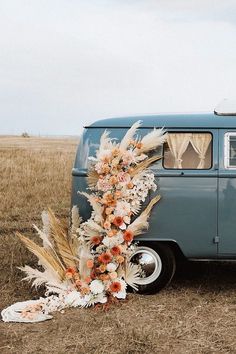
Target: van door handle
{"type": "Point", "coordinates": [216, 166]}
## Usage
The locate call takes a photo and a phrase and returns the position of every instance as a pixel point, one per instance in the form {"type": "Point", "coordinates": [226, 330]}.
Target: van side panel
{"type": "Point", "coordinates": [187, 212]}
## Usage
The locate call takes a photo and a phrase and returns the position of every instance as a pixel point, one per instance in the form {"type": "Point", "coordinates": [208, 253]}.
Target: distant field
{"type": "Point", "coordinates": [195, 314]}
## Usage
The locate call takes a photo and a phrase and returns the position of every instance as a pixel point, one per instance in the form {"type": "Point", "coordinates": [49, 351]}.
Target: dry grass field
{"type": "Point", "coordinates": [195, 314]}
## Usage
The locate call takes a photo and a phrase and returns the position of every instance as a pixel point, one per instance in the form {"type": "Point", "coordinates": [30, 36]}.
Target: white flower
{"type": "Point", "coordinates": [96, 287]}
{"type": "Point", "coordinates": [75, 299]}
{"type": "Point", "coordinates": [110, 242]}
{"type": "Point", "coordinates": [111, 267]}
{"type": "Point", "coordinates": [120, 295]}
{"type": "Point", "coordinates": [122, 208]}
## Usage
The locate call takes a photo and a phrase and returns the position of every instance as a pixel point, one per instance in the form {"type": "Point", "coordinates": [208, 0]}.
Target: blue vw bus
{"type": "Point", "coordinates": [196, 217]}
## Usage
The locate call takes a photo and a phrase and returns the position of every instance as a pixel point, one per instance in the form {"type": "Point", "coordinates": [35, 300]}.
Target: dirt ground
{"type": "Point", "coordinates": [195, 314]}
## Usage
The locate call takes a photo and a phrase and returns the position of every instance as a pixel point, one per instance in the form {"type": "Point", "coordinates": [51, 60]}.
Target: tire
{"type": "Point", "coordinates": [158, 263]}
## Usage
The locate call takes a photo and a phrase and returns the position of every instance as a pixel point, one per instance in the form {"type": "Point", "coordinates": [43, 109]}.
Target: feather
{"type": "Point", "coordinates": [105, 141]}
{"type": "Point", "coordinates": [151, 141]}
{"type": "Point", "coordinates": [46, 224]}
{"type": "Point", "coordinates": [46, 277]}
{"type": "Point", "coordinates": [93, 226]}
{"type": "Point", "coordinates": [132, 274]}
{"type": "Point", "coordinates": [144, 164]}
{"type": "Point", "coordinates": [46, 257]}
{"type": "Point", "coordinates": [44, 237]}
{"type": "Point", "coordinates": [129, 135]}
{"type": "Point", "coordinates": [141, 222]}
{"type": "Point", "coordinates": [75, 219]}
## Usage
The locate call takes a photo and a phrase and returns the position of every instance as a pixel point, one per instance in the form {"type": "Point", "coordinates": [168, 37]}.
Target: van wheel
{"type": "Point", "coordinates": [158, 267]}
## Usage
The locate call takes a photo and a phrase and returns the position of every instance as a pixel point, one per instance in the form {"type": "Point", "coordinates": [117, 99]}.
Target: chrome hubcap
{"type": "Point", "coordinates": [150, 264]}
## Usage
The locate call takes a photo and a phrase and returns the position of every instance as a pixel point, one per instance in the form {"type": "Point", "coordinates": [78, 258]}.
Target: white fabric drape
{"type": "Point", "coordinates": [200, 143]}
{"type": "Point", "coordinates": [178, 143]}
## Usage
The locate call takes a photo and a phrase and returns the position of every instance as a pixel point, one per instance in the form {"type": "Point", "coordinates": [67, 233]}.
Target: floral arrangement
{"type": "Point", "coordinates": [90, 263]}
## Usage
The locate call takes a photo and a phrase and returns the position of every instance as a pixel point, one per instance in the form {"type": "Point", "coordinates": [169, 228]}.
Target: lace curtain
{"type": "Point", "coordinates": [178, 144]}
{"type": "Point", "coordinates": [200, 143]}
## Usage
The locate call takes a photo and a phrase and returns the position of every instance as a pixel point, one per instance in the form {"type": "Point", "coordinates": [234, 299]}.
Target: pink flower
{"type": "Point", "coordinates": [123, 177]}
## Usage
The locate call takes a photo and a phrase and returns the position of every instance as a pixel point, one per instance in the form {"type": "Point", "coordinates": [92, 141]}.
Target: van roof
{"type": "Point", "coordinates": [180, 120]}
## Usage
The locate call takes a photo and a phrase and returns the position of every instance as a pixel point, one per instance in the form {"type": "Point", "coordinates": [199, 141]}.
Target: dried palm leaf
{"type": "Point", "coordinates": [47, 259]}
{"type": "Point", "coordinates": [152, 141]}
{"type": "Point", "coordinates": [129, 136]}
{"type": "Point", "coordinates": [144, 164]}
{"type": "Point", "coordinates": [92, 178]}
{"type": "Point", "coordinates": [64, 247]}
{"type": "Point", "coordinates": [141, 222]}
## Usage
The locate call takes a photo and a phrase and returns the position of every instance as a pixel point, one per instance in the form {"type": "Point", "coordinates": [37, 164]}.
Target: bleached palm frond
{"type": "Point", "coordinates": [98, 209]}
{"type": "Point", "coordinates": [144, 164]}
{"type": "Point", "coordinates": [39, 278]}
{"type": "Point", "coordinates": [84, 256]}
{"type": "Point", "coordinates": [129, 135]}
{"type": "Point", "coordinates": [63, 245]}
{"type": "Point", "coordinates": [141, 222]}
{"type": "Point", "coordinates": [152, 141]}
{"type": "Point", "coordinates": [132, 274]}
{"type": "Point", "coordinates": [92, 178]}
{"type": "Point", "coordinates": [47, 259]}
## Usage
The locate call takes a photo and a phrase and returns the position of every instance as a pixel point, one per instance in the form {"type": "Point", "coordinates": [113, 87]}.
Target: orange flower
{"type": "Point", "coordinates": [115, 251]}
{"type": "Point", "coordinates": [113, 275]}
{"type": "Point", "coordinates": [107, 225]}
{"type": "Point", "coordinates": [104, 277]}
{"type": "Point", "coordinates": [90, 263]}
{"type": "Point", "coordinates": [113, 180]}
{"type": "Point", "coordinates": [109, 210]}
{"type": "Point", "coordinates": [118, 194]}
{"type": "Point", "coordinates": [84, 291]}
{"type": "Point", "coordinates": [118, 221]}
{"type": "Point", "coordinates": [139, 145]}
{"type": "Point", "coordinates": [87, 280]}
{"type": "Point", "coordinates": [105, 258]}
{"type": "Point", "coordinates": [128, 236]}
{"type": "Point", "coordinates": [120, 259]}
{"type": "Point", "coordinates": [96, 240]}
{"type": "Point", "coordinates": [102, 268]}
{"type": "Point", "coordinates": [71, 270]}
{"type": "Point", "coordinates": [115, 287]}
{"type": "Point", "coordinates": [130, 185]}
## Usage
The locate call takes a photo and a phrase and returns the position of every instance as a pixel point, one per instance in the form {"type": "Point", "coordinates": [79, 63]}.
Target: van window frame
{"type": "Point", "coordinates": [190, 169]}
{"type": "Point", "coordinates": [227, 136]}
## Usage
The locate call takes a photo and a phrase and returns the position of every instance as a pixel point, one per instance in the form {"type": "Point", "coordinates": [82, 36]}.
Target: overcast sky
{"type": "Point", "coordinates": [67, 63]}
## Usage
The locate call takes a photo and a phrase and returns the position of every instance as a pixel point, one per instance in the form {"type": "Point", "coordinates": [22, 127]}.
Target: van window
{"type": "Point", "coordinates": [230, 150]}
{"type": "Point", "coordinates": [188, 151]}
